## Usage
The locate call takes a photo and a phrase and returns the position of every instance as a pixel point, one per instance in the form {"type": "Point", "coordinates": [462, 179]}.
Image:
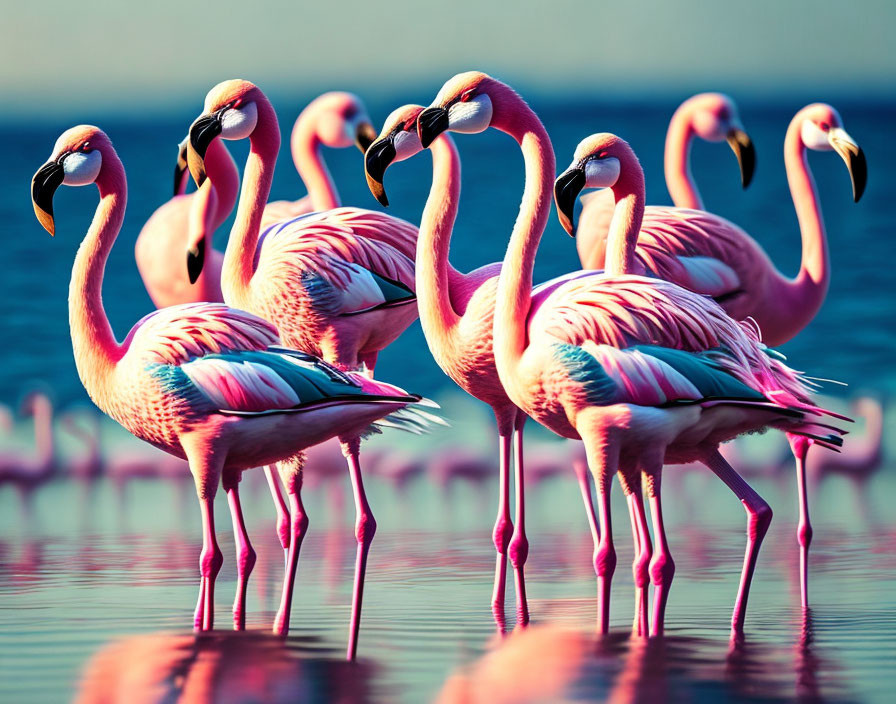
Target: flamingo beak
{"type": "Point", "coordinates": [181, 168]}
{"type": "Point", "coordinates": [566, 190]}
{"type": "Point", "coordinates": [431, 123]}
{"type": "Point", "coordinates": [202, 132]}
{"type": "Point", "coordinates": [44, 184]}
{"type": "Point", "coordinates": [365, 134]}
{"type": "Point", "coordinates": [196, 260]}
{"type": "Point", "coordinates": [743, 149]}
{"type": "Point", "coordinates": [852, 154]}
{"type": "Point", "coordinates": [378, 158]}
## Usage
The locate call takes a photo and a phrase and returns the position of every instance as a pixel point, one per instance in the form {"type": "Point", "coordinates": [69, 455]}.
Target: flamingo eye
{"type": "Point", "coordinates": [236, 103]}
{"type": "Point", "coordinates": [467, 95]}
{"type": "Point", "coordinates": [85, 147]}
{"type": "Point", "coordinates": [824, 126]}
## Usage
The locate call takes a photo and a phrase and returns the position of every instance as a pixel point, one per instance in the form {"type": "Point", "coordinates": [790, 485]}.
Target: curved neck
{"type": "Point", "coordinates": [622, 237]}
{"type": "Point", "coordinates": [222, 172]}
{"type": "Point", "coordinates": [679, 179]}
{"type": "Point", "coordinates": [306, 154]}
{"type": "Point", "coordinates": [804, 294]}
{"type": "Point", "coordinates": [437, 315]}
{"type": "Point", "coordinates": [514, 294]}
{"type": "Point", "coordinates": [96, 350]}
{"type": "Point", "coordinates": [239, 257]}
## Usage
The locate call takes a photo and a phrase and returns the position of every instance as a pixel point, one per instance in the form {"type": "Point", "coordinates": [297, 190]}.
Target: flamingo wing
{"type": "Point", "coordinates": [633, 339]}
{"type": "Point", "coordinates": [343, 269]}
{"type": "Point", "coordinates": [178, 334]}
{"type": "Point", "coordinates": [276, 380]}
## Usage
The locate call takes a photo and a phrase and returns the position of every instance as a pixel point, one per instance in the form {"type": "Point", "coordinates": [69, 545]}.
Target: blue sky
{"type": "Point", "coordinates": [67, 54]}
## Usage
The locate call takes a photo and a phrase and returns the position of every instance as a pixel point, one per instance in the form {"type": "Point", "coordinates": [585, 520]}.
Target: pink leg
{"type": "Point", "coordinates": [581, 470]}
{"type": "Point", "coordinates": [298, 528]}
{"type": "Point", "coordinates": [800, 447]}
{"type": "Point", "coordinates": [519, 544]}
{"type": "Point", "coordinates": [603, 461]}
{"type": "Point", "coordinates": [365, 528]}
{"type": "Point", "coordinates": [641, 564]}
{"type": "Point", "coordinates": [245, 557]}
{"type": "Point", "coordinates": [759, 516]}
{"type": "Point", "coordinates": [605, 557]}
{"type": "Point", "coordinates": [503, 531]}
{"type": "Point", "coordinates": [210, 561]}
{"type": "Point", "coordinates": [283, 523]}
{"type": "Point", "coordinates": [662, 568]}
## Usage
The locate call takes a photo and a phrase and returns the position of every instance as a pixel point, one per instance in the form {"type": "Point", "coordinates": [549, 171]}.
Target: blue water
{"type": "Point", "coordinates": [852, 339]}
{"type": "Point", "coordinates": [97, 583]}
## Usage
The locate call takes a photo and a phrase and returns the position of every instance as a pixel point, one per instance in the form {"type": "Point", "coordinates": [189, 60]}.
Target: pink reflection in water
{"type": "Point", "coordinates": [218, 667]}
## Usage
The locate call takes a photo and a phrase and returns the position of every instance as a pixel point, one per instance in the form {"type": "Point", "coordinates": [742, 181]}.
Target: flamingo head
{"type": "Point", "coordinates": [397, 141]}
{"type": "Point", "coordinates": [468, 103]}
{"type": "Point", "coordinates": [821, 130]}
{"type": "Point", "coordinates": [714, 118]}
{"type": "Point", "coordinates": [181, 167]}
{"type": "Point", "coordinates": [341, 120]}
{"type": "Point", "coordinates": [77, 160]}
{"type": "Point", "coordinates": [602, 160]}
{"type": "Point", "coordinates": [231, 112]}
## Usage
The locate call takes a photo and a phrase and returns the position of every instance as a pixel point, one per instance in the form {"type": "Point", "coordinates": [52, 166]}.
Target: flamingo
{"type": "Point", "coordinates": [456, 313]}
{"type": "Point", "coordinates": [202, 381]}
{"type": "Point", "coordinates": [712, 117]}
{"type": "Point", "coordinates": [162, 240]}
{"type": "Point", "coordinates": [90, 465]}
{"type": "Point", "coordinates": [30, 470]}
{"type": "Point", "coordinates": [708, 254]}
{"type": "Point", "coordinates": [338, 284]}
{"type": "Point", "coordinates": [337, 120]}
{"type": "Point", "coordinates": [334, 119]}
{"type": "Point", "coordinates": [642, 370]}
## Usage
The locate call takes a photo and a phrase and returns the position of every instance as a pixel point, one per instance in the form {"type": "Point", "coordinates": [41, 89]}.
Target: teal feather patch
{"type": "Point", "coordinates": [583, 368]}
{"type": "Point", "coordinates": [710, 379]}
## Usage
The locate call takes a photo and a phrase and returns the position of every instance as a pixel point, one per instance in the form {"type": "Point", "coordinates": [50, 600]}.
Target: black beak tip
{"type": "Point", "coordinates": [195, 262]}
{"type": "Point", "coordinates": [430, 124]}
{"type": "Point", "coordinates": [859, 173]}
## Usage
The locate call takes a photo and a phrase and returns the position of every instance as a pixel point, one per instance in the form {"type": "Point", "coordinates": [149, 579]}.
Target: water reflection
{"type": "Point", "coordinates": [550, 663]}
{"type": "Point", "coordinates": [228, 668]}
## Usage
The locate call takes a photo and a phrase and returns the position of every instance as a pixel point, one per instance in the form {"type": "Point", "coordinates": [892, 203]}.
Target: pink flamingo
{"type": "Point", "coordinates": [642, 370]}
{"type": "Point", "coordinates": [334, 119]}
{"type": "Point", "coordinates": [90, 465]}
{"type": "Point", "coordinates": [166, 235]}
{"type": "Point", "coordinates": [712, 117]}
{"type": "Point", "coordinates": [337, 120]}
{"type": "Point", "coordinates": [338, 284]}
{"type": "Point", "coordinates": [860, 456]}
{"type": "Point", "coordinates": [456, 313]}
{"type": "Point", "coordinates": [201, 381]}
{"type": "Point", "coordinates": [30, 470]}
{"type": "Point", "coordinates": [710, 255]}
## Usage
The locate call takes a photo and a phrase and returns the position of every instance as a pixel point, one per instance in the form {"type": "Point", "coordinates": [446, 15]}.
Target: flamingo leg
{"type": "Point", "coordinates": [603, 460]}
{"type": "Point", "coordinates": [210, 561]}
{"type": "Point", "coordinates": [581, 470]}
{"type": "Point", "coordinates": [503, 530]}
{"type": "Point", "coordinates": [641, 564]}
{"type": "Point", "coordinates": [283, 521]}
{"type": "Point", "coordinates": [365, 529]}
{"type": "Point", "coordinates": [662, 567]}
{"type": "Point", "coordinates": [800, 445]}
{"type": "Point", "coordinates": [759, 516]}
{"type": "Point", "coordinates": [298, 528]}
{"type": "Point", "coordinates": [518, 550]}
{"type": "Point", "coordinates": [245, 557]}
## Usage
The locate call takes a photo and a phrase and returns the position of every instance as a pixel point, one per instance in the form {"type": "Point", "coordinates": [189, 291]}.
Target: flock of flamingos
{"type": "Point", "coordinates": [655, 353]}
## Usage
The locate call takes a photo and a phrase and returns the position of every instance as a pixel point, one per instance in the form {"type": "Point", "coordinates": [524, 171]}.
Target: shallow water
{"type": "Point", "coordinates": [97, 596]}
